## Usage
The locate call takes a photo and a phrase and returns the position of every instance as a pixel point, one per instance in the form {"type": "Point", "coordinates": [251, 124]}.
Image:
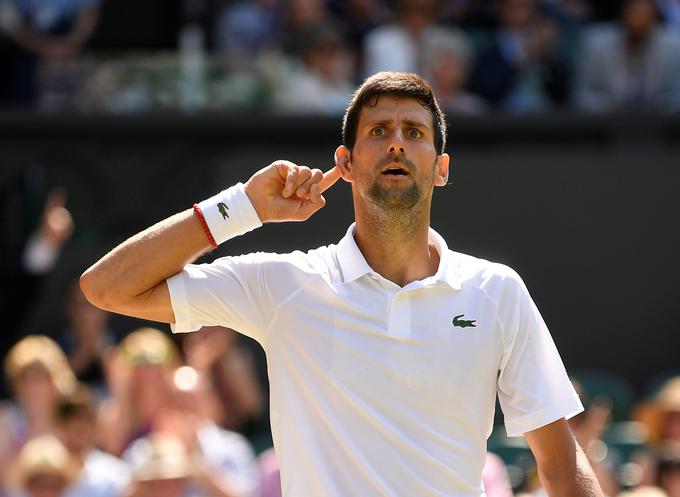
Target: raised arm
{"type": "Point", "coordinates": [131, 278]}
{"type": "Point", "coordinates": [562, 466]}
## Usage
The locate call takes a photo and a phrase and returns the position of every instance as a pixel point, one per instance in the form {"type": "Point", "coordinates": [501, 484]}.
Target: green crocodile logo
{"type": "Point", "coordinates": [222, 207]}
{"type": "Point", "coordinates": [464, 323]}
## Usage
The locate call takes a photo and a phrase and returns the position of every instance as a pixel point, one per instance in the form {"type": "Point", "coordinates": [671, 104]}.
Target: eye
{"type": "Point", "coordinates": [414, 133]}
{"type": "Point", "coordinates": [379, 131]}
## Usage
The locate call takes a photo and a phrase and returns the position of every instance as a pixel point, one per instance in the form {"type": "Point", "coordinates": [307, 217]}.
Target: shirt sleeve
{"type": "Point", "coordinates": [231, 292]}
{"type": "Point", "coordinates": [533, 386]}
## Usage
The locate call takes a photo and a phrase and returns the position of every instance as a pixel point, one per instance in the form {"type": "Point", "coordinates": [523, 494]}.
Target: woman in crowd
{"type": "Point", "coordinates": [39, 374]}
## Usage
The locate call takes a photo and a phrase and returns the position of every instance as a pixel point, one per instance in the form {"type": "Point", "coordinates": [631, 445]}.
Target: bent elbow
{"type": "Point", "coordinates": [93, 289]}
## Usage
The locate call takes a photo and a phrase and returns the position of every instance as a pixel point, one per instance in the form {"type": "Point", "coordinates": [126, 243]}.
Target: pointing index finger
{"type": "Point", "coordinates": [329, 178]}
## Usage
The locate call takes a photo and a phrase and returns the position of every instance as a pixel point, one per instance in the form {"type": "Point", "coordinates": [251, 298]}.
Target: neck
{"type": "Point", "coordinates": [395, 244]}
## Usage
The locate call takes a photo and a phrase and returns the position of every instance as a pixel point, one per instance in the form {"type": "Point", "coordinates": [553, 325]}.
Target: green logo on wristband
{"type": "Point", "coordinates": [222, 207]}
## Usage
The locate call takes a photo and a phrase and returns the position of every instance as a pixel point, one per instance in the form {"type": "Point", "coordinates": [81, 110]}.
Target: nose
{"type": "Point", "coordinates": [397, 145]}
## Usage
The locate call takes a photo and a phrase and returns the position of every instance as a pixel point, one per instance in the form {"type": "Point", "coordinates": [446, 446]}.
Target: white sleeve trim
{"type": "Point", "coordinates": [180, 304]}
{"type": "Point", "coordinates": [567, 409]}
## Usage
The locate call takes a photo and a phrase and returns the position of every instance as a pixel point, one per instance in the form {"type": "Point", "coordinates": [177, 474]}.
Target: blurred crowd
{"type": "Point", "coordinates": [306, 56]}
{"type": "Point", "coordinates": [93, 411]}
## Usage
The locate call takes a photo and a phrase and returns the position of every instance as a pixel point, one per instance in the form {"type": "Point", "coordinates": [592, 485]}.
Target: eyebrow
{"type": "Point", "coordinates": [415, 124]}
{"type": "Point", "coordinates": [407, 122]}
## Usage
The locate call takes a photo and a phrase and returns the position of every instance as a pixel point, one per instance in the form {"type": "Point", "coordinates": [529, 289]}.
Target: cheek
{"type": "Point", "coordinates": [364, 152]}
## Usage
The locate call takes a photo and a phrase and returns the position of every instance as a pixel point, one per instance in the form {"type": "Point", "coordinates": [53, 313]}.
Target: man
{"type": "Point", "coordinates": [100, 474]}
{"type": "Point", "coordinates": [632, 64]}
{"type": "Point", "coordinates": [385, 351]}
{"type": "Point", "coordinates": [44, 468]}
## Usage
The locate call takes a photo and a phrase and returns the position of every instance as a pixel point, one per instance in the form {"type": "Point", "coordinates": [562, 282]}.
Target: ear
{"type": "Point", "coordinates": [441, 174]}
{"type": "Point", "coordinates": [343, 163]}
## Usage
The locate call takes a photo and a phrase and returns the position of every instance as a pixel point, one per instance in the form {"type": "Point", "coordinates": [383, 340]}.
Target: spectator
{"type": "Point", "coordinates": [319, 81]}
{"type": "Point", "coordinates": [633, 64]}
{"type": "Point", "coordinates": [28, 254]}
{"type": "Point", "coordinates": [669, 468]}
{"type": "Point", "coordinates": [645, 491]}
{"type": "Point", "coordinates": [668, 403]}
{"type": "Point", "coordinates": [100, 474]}
{"type": "Point", "coordinates": [44, 468]}
{"type": "Point", "coordinates": [569, 13]}
{"type": "Point", "coordinates": [588, 428]}
{"type": "Point", "coordinates": [160, 467]}
{"type": "Point", "coordinates": [400, 46]}
{"type": "Point", "coordinates": [216, 354]}
{"type": "Point", "coordinates": [447, 61]}
{"type": "Point", "coordinates": [300, 15]}
{"type": "Point", "coordinates": [495, 477]}
{"type": "Point", "coordinates": [139, 375]}
{"type": "Point", "coordinates": [39, 374]}
{"type": "Point", "coordinates": [222, 463]}
{"type": "Point", "coordinates": [521, 70]}
{"type": "Point", "coordinates": [87, 340]}
{"type": "Point", "coordinates": [359, 17]}
{"type": "Point", "coordinates": [670, 12]}
{"type": "Point", "coordinates": [467, 14]}
{"type": "Point", "coordinates": [270, 474]}
{"type": "Point", "coordinates": [53, 31]}
{"type": "Point", "coordinates": [660, 415]}
{"type": "Point", "coordinates": [245, 29]}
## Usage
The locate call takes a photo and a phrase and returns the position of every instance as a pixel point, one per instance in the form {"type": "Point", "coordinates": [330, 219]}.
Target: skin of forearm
{"type": "Point", "coordinates": [123, 280]}
{"type": "Point", "coordinates": [572, 479]}
{"type": "Point", "coordinates": [115, 426]}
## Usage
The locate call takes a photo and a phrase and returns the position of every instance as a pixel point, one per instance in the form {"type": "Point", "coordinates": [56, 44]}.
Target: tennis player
{"type": "Point", "coordinates": [386, 351]}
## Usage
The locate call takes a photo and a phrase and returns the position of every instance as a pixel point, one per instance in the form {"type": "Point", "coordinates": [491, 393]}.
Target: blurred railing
{"type": "Point", "coordinates": [261, 125]}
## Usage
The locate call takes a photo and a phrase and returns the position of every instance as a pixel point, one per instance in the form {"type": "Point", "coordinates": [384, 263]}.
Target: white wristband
{"type": "Point", "coordinates": [230, 213]}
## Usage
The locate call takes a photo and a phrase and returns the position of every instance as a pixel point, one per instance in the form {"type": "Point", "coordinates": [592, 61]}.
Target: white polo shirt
{"type": "Point", "coordinates": [379, 390]}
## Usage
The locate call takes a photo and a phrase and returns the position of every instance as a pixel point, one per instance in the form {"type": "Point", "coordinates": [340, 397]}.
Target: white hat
{"type": "Point", "coordinates": [159, 457]}
{"type": "Point", "coordinates": [45, 455]}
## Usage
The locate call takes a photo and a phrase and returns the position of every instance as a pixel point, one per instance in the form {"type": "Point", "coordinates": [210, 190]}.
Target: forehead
{"type": "Point", "coordinates": [393, 108]}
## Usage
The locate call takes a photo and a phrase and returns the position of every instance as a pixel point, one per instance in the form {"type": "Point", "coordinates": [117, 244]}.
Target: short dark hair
{"type": "Point", "coordinates": [75, 405]}
{"type": "Point", "coordinates": [400, 84]}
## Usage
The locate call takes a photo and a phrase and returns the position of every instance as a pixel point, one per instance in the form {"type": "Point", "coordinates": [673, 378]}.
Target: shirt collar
{"type": "Point", "coordinates": [352, 262]}
{"type": "Point", "coordinates": [353, 265]}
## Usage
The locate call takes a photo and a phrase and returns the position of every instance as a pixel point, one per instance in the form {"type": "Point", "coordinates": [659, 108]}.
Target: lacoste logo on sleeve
{"type": "Point", "coordinates": [222, 207]}
{"type": "Point", "coordinates": [463, 323]}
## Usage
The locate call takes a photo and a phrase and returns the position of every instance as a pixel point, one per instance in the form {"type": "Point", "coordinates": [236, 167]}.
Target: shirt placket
{"type": "Point", "coordinates": [399, 315]}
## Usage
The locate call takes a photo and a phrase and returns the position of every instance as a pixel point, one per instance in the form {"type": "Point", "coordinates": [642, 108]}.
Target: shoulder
{"type": "Point", "coordinates": [220, 444]}
{"type": "Point", "coordinates": [312, 262]}
{"type": "Point", "coordinates": [602, 34]}
{"type": "Point", "coordinates": [104, 464]}
{"type": "Point", "coordinates": [385, 34]}
{"type": "Point", "coordinates": [484, 275]}
{"type": "Point", "coordinates": [100, 458]}
{"type": "Point", "coordinates": [664, 39]}
{"type": "Point", "coordinates": [103, 476]}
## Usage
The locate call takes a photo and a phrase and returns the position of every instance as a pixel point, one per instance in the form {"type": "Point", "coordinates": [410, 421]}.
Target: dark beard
{"type": "Point", "coordinates": [395, 199]}
{"type": "Point", "coordinates": [392, 198]}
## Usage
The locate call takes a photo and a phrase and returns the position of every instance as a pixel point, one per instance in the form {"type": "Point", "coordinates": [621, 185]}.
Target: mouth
{"type": "Point", "coordinates": [395, 170]}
